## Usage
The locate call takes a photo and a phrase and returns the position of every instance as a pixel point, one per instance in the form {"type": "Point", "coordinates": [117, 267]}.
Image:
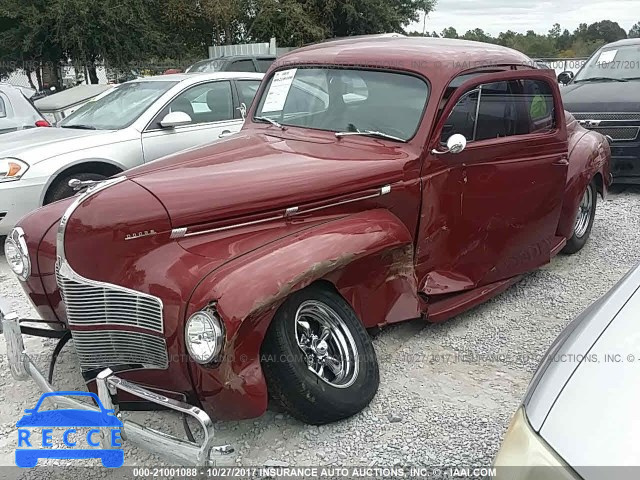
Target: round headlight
{"type": "Point", "coordinates": [204, 336]}
{"type": "Point", "coordinates": [16, 253]}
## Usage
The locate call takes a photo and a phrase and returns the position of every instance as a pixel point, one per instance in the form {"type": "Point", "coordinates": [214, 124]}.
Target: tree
{"type": "Point", "coordinates": [449, 33]}
{"type": "Point", "coordinates": [605, 30]}
{"type": "Point", "coordinates": [112, 31]}
{"type": "Point", "coordinates": [27, 40]}
{"type": "Point", "coordinates": [478, 35]}
{"type": "Point", "coordinates": [635, 31]}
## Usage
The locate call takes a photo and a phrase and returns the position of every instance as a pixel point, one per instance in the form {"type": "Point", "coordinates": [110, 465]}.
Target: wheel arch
{"type": "Point", "coordinates": [90, 165]}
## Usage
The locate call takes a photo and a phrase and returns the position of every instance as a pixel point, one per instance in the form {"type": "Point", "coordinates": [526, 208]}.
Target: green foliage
{"type": "Point", "coordinates": [635, 31]}
{"type": "Point", "coordinates": [38, 35]}
{"type": "Point", "coordinates": [556, 43]}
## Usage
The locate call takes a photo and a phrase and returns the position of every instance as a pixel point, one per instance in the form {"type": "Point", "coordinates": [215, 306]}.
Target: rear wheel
{"type": "Point", "coordinates": [61, 189]}
{"type": "Point", "coordinates": [584, 220]}
{"type": "Point", "coordinates": [318, 358]}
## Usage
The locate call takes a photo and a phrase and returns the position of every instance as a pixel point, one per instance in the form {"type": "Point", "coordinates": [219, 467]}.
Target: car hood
{"type": "Point", "coordinates": [37, 144]}
{"type": "Point", "coordinates": [594, 420]}
{"type": "Point", "coordinates": [253, 173]}
{"type": "Point", "coordinates": [594, 97]}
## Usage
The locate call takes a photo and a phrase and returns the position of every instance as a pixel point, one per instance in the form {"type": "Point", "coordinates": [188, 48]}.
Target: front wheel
{"type": "Point", "coordinates": [584, 220]}
{"type": "Point", "coordinates": [318, 358]}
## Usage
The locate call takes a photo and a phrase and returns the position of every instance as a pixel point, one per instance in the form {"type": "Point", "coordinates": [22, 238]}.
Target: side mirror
{"type": "Point", "coordinates": [565, 77]}
{"type": "Point", "coordinates": [456, 144]}
{"type": "Point", "coordinates": [175, 119]}
{"type": "Point", "coordinates": [243, 110]}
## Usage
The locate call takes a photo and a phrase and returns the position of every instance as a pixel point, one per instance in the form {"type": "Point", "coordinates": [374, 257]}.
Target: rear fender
{"type": "Point", "coordinates": [366, 257]}
{"type": "Point", "coordinates": [589, 160]}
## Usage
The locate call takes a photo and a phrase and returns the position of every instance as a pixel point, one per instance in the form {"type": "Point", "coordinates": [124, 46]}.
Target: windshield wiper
{"type": "Point", "coordinates": [631, 78]}
{"type": "Point", "coordinates": [370, 133]}
{"type": "Point", "coordinates": [600, 79]}
{"type": "Point", "coordinates": [269, 120]}
{"type": "Point", "coordinates": [79, 127]}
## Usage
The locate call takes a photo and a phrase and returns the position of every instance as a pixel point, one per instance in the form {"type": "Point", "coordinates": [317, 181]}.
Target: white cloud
{"type": "Point", "coordinates": [495, 16]}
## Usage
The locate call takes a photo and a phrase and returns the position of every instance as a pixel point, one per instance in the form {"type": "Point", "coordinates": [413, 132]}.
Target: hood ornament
{"type": "Point", "coordinates": [79, 184]}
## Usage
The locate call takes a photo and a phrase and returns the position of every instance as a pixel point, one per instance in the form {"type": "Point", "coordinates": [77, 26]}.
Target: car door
{"type": "Point", "coordinates": [210, 106]}
{"type": "Point", "coordinates": [491, 212]}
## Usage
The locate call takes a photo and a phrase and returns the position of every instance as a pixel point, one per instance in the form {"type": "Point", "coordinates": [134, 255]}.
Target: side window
{"type": "Point", "coordinates": [502, 109]}
{"type": "Point", "coordinates": [264, 64]}
{"type": "Point", "coordinates": [538, 101]}
{"type": "Point", "coordinates": [462, 119]}
{"type": "Point", "coordinates": [247, 90]}
{"type": "Point", "coordinates": [242, 66]}
{"type": "Point", "coordinates": [209, 102]}
{"type": "Point", "coordinates": [3, 109]}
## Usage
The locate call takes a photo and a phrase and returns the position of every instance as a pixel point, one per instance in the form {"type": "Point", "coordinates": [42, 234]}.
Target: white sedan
{"type": "Point", "coordinates": [133, 123]}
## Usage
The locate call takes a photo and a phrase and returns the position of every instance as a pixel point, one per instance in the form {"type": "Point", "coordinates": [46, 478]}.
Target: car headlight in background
{"type": "Point", "coordinates": [204, 336]}
{"type": "Point", "coordinates": [524, 455]}
{"type": "Point", "coordinates": [12, 169]}
{"type": "Point", "coordinates": [16, 253]}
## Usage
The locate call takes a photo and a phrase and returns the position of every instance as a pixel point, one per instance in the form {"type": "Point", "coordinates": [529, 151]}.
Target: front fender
{"type": "Point", "coordinates": [367, 257]}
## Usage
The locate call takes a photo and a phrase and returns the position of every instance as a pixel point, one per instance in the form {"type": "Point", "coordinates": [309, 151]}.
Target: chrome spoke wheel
{"type": "Point", "coordinates": [584, 214]}
{"type": "Point", "coordinates": [327, 344]}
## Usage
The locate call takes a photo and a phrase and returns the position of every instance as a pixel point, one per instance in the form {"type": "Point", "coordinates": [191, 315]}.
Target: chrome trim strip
{"type": "Point", "coordinates": [288, 213]}
{"type": "Point", "coordinates": [178, 233]}
{"type": "Point", "coordinates": [237, 225]}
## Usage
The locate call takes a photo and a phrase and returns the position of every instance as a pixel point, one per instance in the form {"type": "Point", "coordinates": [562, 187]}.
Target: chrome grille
{"type": "Point", "coordinates": [612, 116]}
{"type": "Point", "coordinates": [109, 348]}
{"type": "Point", "coordinates": [618, 133]}
{"type": "Point", "coordinates": [95, 303]}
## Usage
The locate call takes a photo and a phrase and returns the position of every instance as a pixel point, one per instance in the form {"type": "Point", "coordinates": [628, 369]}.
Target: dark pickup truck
{"type": "Point", "coordinates": [605, 96]}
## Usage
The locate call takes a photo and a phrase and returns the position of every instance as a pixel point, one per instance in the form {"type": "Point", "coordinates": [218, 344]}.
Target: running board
{"type": "Point", "coordinates": [444, 309]}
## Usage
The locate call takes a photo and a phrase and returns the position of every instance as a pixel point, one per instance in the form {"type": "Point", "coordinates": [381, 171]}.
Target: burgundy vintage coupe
{"type": "Point", "coordinates": [376, 180]}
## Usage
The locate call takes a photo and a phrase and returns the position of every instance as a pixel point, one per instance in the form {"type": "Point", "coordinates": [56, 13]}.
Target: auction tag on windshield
{"type": "Point", "coordinates": [607, 57]}
{"type": "Point", "coordinates": [278, 91]}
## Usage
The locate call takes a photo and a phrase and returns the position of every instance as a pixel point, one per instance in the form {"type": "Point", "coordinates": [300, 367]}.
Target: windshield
{"type": "Point", "coordinates": [618, 63]}
{"type": "Point", "coordinates": [207, 66]}
{"type": "Point", "coordinates": [341, 100]}
{"type": "Point", "coordinates": [119, 108]}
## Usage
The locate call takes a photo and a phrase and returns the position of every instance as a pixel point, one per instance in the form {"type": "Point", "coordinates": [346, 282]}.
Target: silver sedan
{"type": "Point", "coordinates": [134, 123]}
{"type": "Point", "coordinates": [16, 112]}
{"type": "Point", "coordinates": [580, 413]}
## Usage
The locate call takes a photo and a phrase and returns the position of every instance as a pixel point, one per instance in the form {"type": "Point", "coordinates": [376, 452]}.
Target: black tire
{"type": "Point", "coordinates": [582, 231]}
{"type": "Point", "coordinates": [60, 188]}
{"type": "Point", "coordinates": [303, 393]}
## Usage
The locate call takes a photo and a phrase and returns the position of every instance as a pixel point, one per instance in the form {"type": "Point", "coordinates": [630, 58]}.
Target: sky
{"type": "Point", "coordinates": [495, 16]}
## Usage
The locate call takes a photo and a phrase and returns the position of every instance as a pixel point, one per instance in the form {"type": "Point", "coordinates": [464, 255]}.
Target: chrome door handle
{"type": "Point", "coordinates": [226, 133]}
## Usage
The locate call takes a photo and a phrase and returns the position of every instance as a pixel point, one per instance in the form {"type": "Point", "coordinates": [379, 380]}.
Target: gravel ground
{"type": "Point", "coordinates": [447, 391]}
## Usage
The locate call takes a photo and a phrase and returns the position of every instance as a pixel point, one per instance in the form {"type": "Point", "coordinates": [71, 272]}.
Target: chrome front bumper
{"type": "Point", "coordinates": [168, 447]}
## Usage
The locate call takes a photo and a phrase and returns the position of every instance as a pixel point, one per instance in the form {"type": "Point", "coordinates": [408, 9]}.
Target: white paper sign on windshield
{"type": "Point", "coordinates": [607, 57]}
{"type": "Point", "coordinates": [278, 91]}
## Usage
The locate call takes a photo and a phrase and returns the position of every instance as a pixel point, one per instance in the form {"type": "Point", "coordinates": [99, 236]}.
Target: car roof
{"type": "Point", "coordinates": [70, 96]}
{"type": "Point", "coordinates": [623, 42]}
{"type": "Point", "coordinates": [199, 76]}
{"type": "Point", "coordinates": [431, 57]}
{"type": "Point", "coordinates": [263, 56]}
